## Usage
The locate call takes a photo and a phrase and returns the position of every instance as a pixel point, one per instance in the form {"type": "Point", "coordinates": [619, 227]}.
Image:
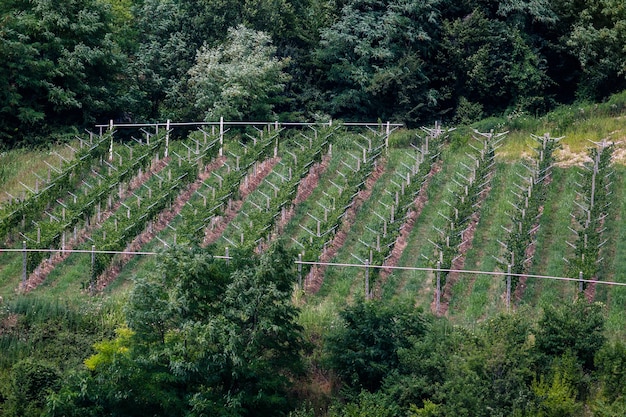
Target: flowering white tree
{"type": "Point", "coordinates": [241, 78]}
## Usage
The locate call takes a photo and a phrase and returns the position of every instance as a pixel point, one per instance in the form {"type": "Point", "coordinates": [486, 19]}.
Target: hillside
{"type": "Point", "coordinates": [338, 194]}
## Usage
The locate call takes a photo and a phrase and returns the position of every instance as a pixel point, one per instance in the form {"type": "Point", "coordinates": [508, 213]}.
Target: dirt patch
{"type": "Point", "coordinates": [566, 158]}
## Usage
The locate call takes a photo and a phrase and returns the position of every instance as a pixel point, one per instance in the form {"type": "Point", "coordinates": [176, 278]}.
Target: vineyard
{"type": "Point", "coordinates": [371, 210]}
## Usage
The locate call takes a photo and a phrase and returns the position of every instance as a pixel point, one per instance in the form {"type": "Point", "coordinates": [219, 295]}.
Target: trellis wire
{"type": "Point", "coordinates": [333, 264]}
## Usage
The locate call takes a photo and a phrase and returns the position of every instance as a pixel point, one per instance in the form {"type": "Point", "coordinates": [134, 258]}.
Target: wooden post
{"type": "Point", "coordinates": [300, 270]}
{"type": "Point", "coordinates": [111, 145]}
{"type": "Point", "coordinates": [24, 264]}
{"type": "Point", "coordinates": [387, 132]}
{"type": "Point", "coordinates": [92, 283]}
{"type": "Point", "coordinates": [367, 279]}
{"type": "Point", "coordinates": [580, 283]}
{"type": "Point", "coordinates": [438, 290]}
{"type": "Point", "coordinates": [508, 287]}
{"type": "Point", "coordinates": [221, 136]}
{"type": "Point", "coordinates": [167, 138]}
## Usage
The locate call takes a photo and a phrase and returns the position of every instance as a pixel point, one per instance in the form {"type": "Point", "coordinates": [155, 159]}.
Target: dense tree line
{"type": "Point", "coordinates": [68, 64]}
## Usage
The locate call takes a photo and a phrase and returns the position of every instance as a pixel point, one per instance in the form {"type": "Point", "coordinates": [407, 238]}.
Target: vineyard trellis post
{"type": "Point", "coordinates": [580, 282]}
{"type": "Point", "coordinates": [438, 290]}
{"type": "Point", "coordinates": [24, 264]}
{"type": "Point", "coordinates": [92, 280]}
{"type": "Point", "coordinates": [508, 287]}
{"type": "Point", "coordinates": [367, 280]}
{"type": "Point", "coordinates": [221, 153]}
{"type": "Point", "coordinates": [300, 270]}
{"type": "Point", "coordinates": [111, 145]}
{"type": "Point", "coordinates": [167, 138]}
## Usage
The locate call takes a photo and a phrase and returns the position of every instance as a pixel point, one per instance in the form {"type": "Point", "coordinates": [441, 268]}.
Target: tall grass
{"type": "Point", "coordinates": [56, 329]}
{"type": "Point", "coordinates": [25, 165]}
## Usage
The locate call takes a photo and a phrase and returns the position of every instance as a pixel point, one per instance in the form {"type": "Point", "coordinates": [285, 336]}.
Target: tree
{"type": "Point", "coordinates": [31, 381]}
{"type": "Point", "coordinates": [241, 79]}
{"type": "Point", "coordinates": [576, 327]}
{"type": "Point", "coordinates": [375, 58]}
{"type": "Point", "coordinates": [597, 39]}
{"type": "Point", "coordinates": [493, 64]}
{"type": "Point", "coordinates": [364, 347]}
{"type": "Point", "coordinates": [59, 67]}
{"type": "Point", "coordinates": [204, 338]}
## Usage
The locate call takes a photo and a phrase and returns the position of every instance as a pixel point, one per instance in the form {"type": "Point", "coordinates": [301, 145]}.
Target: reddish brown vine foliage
{"type": "Point", "coordinates": [164, 219]}
{"type": "Point", "coordinates": [39, 275]}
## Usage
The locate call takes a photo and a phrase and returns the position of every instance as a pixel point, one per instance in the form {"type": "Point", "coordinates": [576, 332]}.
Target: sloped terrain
{"type": "Point", "coordinates": [340, 195]}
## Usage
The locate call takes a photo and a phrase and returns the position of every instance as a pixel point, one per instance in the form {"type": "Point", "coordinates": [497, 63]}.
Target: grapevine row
{"type": "Point", "coordinates": [593, 207]}
{"type": "Point", "coordinates": [157, 194]}
{"type": "Point", "coordinates": [264, 209]}
{"type": "Point", "coordinates": [466, 202]}
{"type": "Point", "coordinates": [528, 209]}
{"type": "Point", "coordinates": [76, 207]}
{"type": "Point", "coordinates": [24, 212]}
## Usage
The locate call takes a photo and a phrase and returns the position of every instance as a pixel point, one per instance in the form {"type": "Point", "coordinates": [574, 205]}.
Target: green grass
{"type": "Point", "coordinates": [24, 165]}
{"type": "Point", "coordinates": [484, 297]}
{"type": "Point", "coordinates": [615, 259]}
{"type": "Point", "coordinates": [421, 253]}
{"type": "Point", "coordinates": [364, 223]}
{"type": "Point", "coordinates": [551, 247]}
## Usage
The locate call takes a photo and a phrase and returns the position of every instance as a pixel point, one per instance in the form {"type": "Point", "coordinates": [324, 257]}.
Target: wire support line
{"type": "Point", "coordinates": [462, 271]}
{"type": "Point", "coordinates": [247, 123]}
{"type": "Point", "coordinates": [110, 252]}
{"type": "Point", "coordinates": [335, 264]}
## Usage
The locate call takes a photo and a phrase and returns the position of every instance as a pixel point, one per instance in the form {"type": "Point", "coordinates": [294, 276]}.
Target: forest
{"type": "Point", "coordinates": [220, 311]}
{"type": "Point", "coordinates": [69, 64]}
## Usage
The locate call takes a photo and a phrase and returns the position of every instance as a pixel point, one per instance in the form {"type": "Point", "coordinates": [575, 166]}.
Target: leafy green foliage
{"type": "Point", "coordinates": [31, 382]}
{"type": "Point", "coordinates": [205, 337]}
{"type": "Point", "coordinates": [364, 346]}
{"type": "Point", "coordinates": [575, 327]}
{"type": "Point", "coordinates": [376, 56]}
{"type": "Point", "coordinates": [238, 80]}
{"type": "Point", "coordinates": [60, 66]}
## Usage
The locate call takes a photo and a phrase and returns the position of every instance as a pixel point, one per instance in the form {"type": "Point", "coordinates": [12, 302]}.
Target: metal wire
{"type": "Point", "coordinates": [336, 264]}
